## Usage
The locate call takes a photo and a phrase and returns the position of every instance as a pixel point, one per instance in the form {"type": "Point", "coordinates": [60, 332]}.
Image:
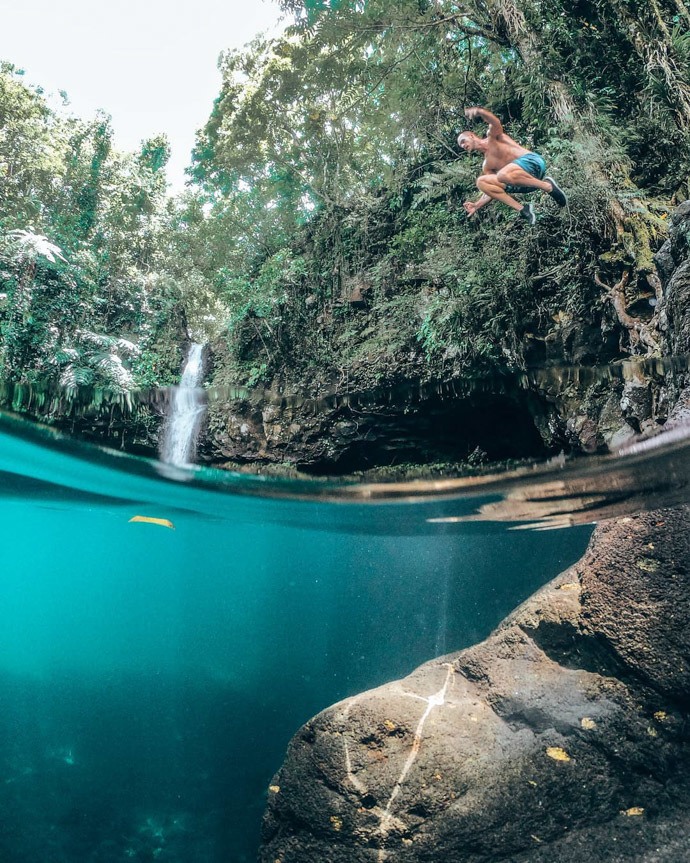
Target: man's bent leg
{"type": "Point", "coordinates": [514, 175]}
{"type": "Point", "coordinates": [490, 185]}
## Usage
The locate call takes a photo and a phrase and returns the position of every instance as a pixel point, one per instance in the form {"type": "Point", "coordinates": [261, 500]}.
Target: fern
{"type": "Point", "coordinates": [32, 245]}
{"type": "Point", "coordinates": [76, 376]}
{"type": "Point", "coordinates": [446, 179]}
{"type": "Point", "coordinates": [108, 343]}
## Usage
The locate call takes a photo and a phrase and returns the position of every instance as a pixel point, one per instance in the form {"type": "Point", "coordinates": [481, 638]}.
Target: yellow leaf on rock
{"type": "Point", "coordinates": [660, 715]}
{"type": "Point", "coordinates": [571, 585]}
{"type": "Point", "coordinates": [634, 810]}
{"type": "Point", "coordinates": [557, 753]}
{"type": "Point", "coordinates": [588, 723]}
{"type": "Point", "coordinates": [336, 822]}
{"type": "Point", "coordinates": [274, 789]}
{"type": "Point", "coordinates": [145, 519]}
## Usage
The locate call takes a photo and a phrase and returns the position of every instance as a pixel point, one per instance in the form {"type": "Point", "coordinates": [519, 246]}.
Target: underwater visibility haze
{"type": "Point", "coordinates": [163, 634]}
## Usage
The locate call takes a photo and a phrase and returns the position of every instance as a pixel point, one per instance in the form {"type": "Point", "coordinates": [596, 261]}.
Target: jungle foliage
{"type": "Point", "coordinates": [83, 230]}
{"type": "Point", "coordinates": [330, 161]}
{"type": "Point", "coordinates": [322, 237]}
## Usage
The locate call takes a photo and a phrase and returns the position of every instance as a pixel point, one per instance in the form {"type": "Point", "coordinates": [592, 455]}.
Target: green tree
{"type": "Point", "coordinates": [344, 129]}
{"type": "Point", "coordinates": [81, 256]}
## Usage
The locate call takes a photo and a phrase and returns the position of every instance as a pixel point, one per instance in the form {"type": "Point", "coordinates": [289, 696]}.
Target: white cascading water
{"type": "Point", "coordinates": [187, 408]}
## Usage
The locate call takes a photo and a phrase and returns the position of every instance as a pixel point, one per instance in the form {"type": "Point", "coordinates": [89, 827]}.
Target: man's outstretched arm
{"type": "Point", "coordinates": [495, 125]}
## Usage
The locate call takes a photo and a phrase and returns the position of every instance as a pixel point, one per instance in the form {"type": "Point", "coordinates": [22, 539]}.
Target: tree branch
{"type": "Point", "coordinates": [638, 331]}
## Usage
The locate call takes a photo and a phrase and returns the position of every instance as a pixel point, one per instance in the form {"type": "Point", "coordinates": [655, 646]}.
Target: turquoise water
{"type": "Point", "coordinates": [151, 676]}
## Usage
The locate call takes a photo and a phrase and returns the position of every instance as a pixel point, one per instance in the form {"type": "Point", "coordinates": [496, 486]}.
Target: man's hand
{"type": "Point", "coordinates": [471, 207]}
{"type": "Point", "coordinates": [495, 127]}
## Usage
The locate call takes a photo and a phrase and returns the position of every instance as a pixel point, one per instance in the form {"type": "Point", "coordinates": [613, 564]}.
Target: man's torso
{"type": "Point", "coordinates": [500, 152]}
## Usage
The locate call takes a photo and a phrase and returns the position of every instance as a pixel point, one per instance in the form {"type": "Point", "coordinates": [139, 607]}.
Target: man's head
{"type": "Point", "coordinates": [468, 141]}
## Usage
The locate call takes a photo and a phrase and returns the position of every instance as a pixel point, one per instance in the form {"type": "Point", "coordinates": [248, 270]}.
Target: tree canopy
{"type": "Point", "coordinates": [81, 251]}
{"type": "Point", "coordinates": [339, 139]}
{"type": "Point", "coordinates": [327, 179]}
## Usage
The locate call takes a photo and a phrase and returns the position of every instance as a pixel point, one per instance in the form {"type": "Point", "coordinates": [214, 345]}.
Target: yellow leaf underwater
{"type": "Point", "coordinates": [557, 753]}
{"type": "Point", "coordinates": [163, 522]}
{"type": "Point", "coordinates": [634, 810]}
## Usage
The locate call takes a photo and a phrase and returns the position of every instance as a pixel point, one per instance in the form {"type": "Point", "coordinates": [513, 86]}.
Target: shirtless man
{"type": "Point", "coordinates": [508, 167]}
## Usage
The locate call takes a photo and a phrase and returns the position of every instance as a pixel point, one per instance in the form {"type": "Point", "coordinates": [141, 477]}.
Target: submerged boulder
{"type": "Point", "coordinates": [561, 737]}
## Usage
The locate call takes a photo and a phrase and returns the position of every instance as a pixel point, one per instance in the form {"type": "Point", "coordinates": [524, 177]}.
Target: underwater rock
{"type": "Point", "coordinates": [559, 738]}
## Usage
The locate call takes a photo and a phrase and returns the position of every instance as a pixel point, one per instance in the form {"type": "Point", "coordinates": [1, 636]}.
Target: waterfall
{"type": "Point", "coordinates": [187, 408]}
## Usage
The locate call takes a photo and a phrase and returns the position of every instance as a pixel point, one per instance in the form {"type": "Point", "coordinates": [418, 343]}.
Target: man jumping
{"type": "Point", "coordinates": [508, 168]}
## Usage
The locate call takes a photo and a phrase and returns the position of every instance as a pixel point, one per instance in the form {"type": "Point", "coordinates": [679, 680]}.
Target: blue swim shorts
{"type": "Point", "coordinates": [535, 165]}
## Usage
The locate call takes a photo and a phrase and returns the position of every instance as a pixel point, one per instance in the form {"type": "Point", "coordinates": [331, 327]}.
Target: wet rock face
{"type": "Point", "coordinates": [336, 436]}
{"type": "Point", "coordinates": [567, 413]}
{"type": "Point", "coordinates": [673, 263]}
{"type": "Point", "coordinates": [607, 416]}
{"type": "Point", "coordinates": [562, 737]}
